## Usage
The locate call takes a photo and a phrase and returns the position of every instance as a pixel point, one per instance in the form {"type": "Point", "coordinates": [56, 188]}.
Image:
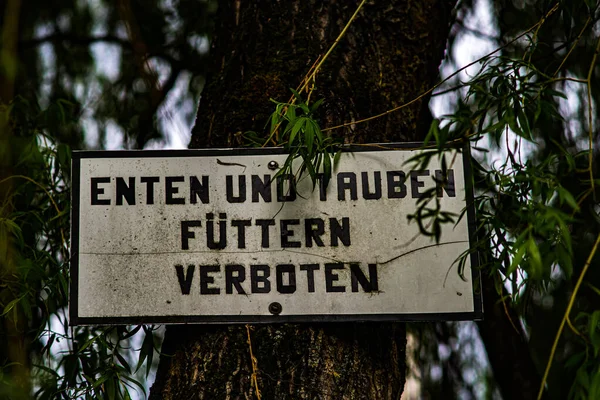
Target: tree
{"type": "Point", "coordinates": [537, 208]}
{"type": "Point", "coordinates": [260, 51]}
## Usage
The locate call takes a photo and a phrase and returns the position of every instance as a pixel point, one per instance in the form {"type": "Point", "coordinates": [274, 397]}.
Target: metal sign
{"type": "Point", "coordinates": [211, 236]}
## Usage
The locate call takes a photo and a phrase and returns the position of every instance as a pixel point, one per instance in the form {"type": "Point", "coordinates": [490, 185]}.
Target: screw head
{"type": "Point", "coordinates": [275, 308]}
{"type": "Point", "coordinates": [273, 165]}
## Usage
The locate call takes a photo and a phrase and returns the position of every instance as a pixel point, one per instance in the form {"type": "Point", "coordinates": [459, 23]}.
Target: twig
{"type": "Point", "coordinates": [422, 95]}
{"type": "Point", "coordinates": [312, 72]}
{"type": "Point", "coordinates": [566, 316]}
{"type": "Point", "coordinates": [590, 119]}
{"type": "Point", "coordinates": [342, 33]}
{"type": "Point", "coordinates": [254, 363]}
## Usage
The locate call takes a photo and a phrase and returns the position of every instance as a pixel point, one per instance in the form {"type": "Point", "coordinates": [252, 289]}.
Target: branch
{"type": "Point", "coordinates": [75, 39]}
{"type": "Point", "coordinates": [89, 40]}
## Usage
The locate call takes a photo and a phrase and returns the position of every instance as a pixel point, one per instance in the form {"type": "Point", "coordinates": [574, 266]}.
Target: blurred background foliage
{"type": "Point", "coordinates": [81, 74]}
{"type": "Point", "coordinates": [116, 62]}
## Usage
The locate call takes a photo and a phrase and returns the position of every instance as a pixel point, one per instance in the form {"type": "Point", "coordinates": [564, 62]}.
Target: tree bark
{"type": "Point", "coordinates": [261, 49]}
{"type": "Point", "coordinates": [506, 345]}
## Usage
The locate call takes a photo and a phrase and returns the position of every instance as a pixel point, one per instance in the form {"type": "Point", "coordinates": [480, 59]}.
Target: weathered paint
{"type": "Point", "coordinates": [174, 237]}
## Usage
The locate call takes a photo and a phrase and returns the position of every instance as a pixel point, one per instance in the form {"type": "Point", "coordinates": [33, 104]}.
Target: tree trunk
{"type": "Point", "coordinates": [14, 343]}
{"type": "Point", "coordinates": [506, 345]}
{"type": "Point", "coordinates": [261, 49]}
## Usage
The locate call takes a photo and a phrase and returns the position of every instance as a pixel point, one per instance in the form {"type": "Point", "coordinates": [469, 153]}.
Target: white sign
{"type": "Point", "coordinates": [210, 236]}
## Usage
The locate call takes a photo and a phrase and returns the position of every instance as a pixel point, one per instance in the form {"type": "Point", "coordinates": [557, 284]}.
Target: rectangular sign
{"type": "Point", "coordinates": [210, 236]}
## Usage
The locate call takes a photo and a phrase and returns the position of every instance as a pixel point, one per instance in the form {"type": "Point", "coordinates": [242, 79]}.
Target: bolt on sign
{"type": "Point", "coordinates": [207, 236]}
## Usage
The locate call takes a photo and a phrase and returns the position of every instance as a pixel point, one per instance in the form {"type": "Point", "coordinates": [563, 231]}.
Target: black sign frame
{"type": "Point", "coordinates": [75, 319]}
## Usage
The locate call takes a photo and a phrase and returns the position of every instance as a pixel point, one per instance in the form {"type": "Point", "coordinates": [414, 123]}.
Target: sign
{"type": "Point", "coordinates": [210, 236]}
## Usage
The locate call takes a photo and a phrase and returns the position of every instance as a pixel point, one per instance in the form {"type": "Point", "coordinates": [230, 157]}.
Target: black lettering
{"type": "Point", "coordinates": [210, 232]}
{"type": "Point", "coordinates": [415, 183]}
{"type": "Point", "coordinates": [234, 280]}
{"type": "Point", "coordinates": [262, 188]}
{"type": "Point", "coordinates": [125, 191]}
{"type": "Point", "coordinates": [241, 230]}
{"type": "Point", "coordinates": [445, 183]}
{"type": "Point", "coordinates": [342, 185]}
{"type": "Point", "coordinates": [185, 283]}
{"type": "Point", "coordinates": [170, 190]}
{"type": "Point", "coordinates": [341, 232]}
{"type": "Point", "coordinates": [290, 270]}
{"type": "Point", "coordinates": [313, 229]}
{"type": "Point", "coordinates": [199, 190]}
{"type": "Point", "coordinates": [286, 232]}
{"type": "Point", "coordinates": [288, 180]}
{"type": "Point", "coordinates": [96, 191]}
{"type": "Point", "coordinates": [331, 277]}
{"type": "Point", "coordinates": [358, 277]}
{"type": "Point", "coordinates": [396, 187]}
{"type": "Point", "coordinates": [150, 181]}
{"type": "Point", "coordinates": [376, 194]}
{"type": "Point", "coordinates": [205, 279]}
{"type": "Point", "coordinates": [255, 278]}
{"type": "Point", "coordinates": [241, 197]}
{"type": "Point", "coordinates": [310, 275]}
{"type": "Point", "coordinates": [186, 234]}
{"type": "Point", "coordinates": [265, 224]}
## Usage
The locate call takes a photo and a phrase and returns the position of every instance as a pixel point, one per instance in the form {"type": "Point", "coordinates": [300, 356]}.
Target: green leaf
{"type": "Point", "coordinates": [51, 371]}
{"type": "Point", "coordinates": [10, 306]}
{"type": "Point", "coordinates": [535, 259]}
{"type": "Point", "coordinates": [135, 382]}
{"type": "Point", "coordinates": [566, 196]}
{"type": "Point", "coordinates": [309, 138]}
{"type": "Point", "coordinates": [594, 390]}
{"type": "Point", "coordinates": [101, 379]}
{"type": "Point", "coordinates": [594, 331]}
{"type": "Point", "coordinates": [326, 169]}
{"type": "Point", "coordinates": [274, 121]}
{"type": "Point", "coordinates": [316, 105]}
{"type": "Point", "coordinates": [123, 362]}
{"type": "Point", "coordinates": [297, 95]}
{"type": "Point", "coordinates": [296, 128]}
{"type": "Point", "coordinates": [336, 158]}
{"type": "Point", "coordinates": [317, 130]}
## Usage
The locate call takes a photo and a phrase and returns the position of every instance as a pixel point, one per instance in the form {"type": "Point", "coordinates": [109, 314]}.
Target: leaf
{"type": "Point", "coordinates": [336, 158]}
{"type": "Point", "coordinates": [535, 259]}
{"type": "Point", "coordinates": [309, 138]}
{"type": "Point", "coordinates": [89, 342]}
{"type": "Point", "coordinates": [594, 390]}
{"type": "Point", "coordinates": [10, 306]}
{"type": "Point", "coordinates": [316, 105]}
{"type": "Point", "coordinates": [131, 332]}
{"type": "Point", "coordinates": [297, 95]}
{"type": "Point", "coordinates": [326, 169]}
{"type": "Point", "coordinates": [433, 132]}
{"type": "Point", "coordinates": [575, 360]}
{"type": "Point", "coordinates": [594, 331]}
{"type": "Point", "coordinates": [123, 362]}
{"type": "Point", "coordinates": [317, 130]}
{"type": "Point", "coordinates": [565, 260]}
{"type": "Point", "coordinates": [101, 380]}
{"type": "Point", "coordinates": [524, 124]}
{"type": "Point", "coordinates": [296, 128]}
{"type": "Point", "coordinates": [567, 197]}
{"type": "Point", "coordinates": [135, 382]}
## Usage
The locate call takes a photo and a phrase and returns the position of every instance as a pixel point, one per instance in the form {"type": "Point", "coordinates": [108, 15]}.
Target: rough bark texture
{"type": "Point", "coordinates": [389, 56]}
{"type": "Point", "coordinates": [506, 346]}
